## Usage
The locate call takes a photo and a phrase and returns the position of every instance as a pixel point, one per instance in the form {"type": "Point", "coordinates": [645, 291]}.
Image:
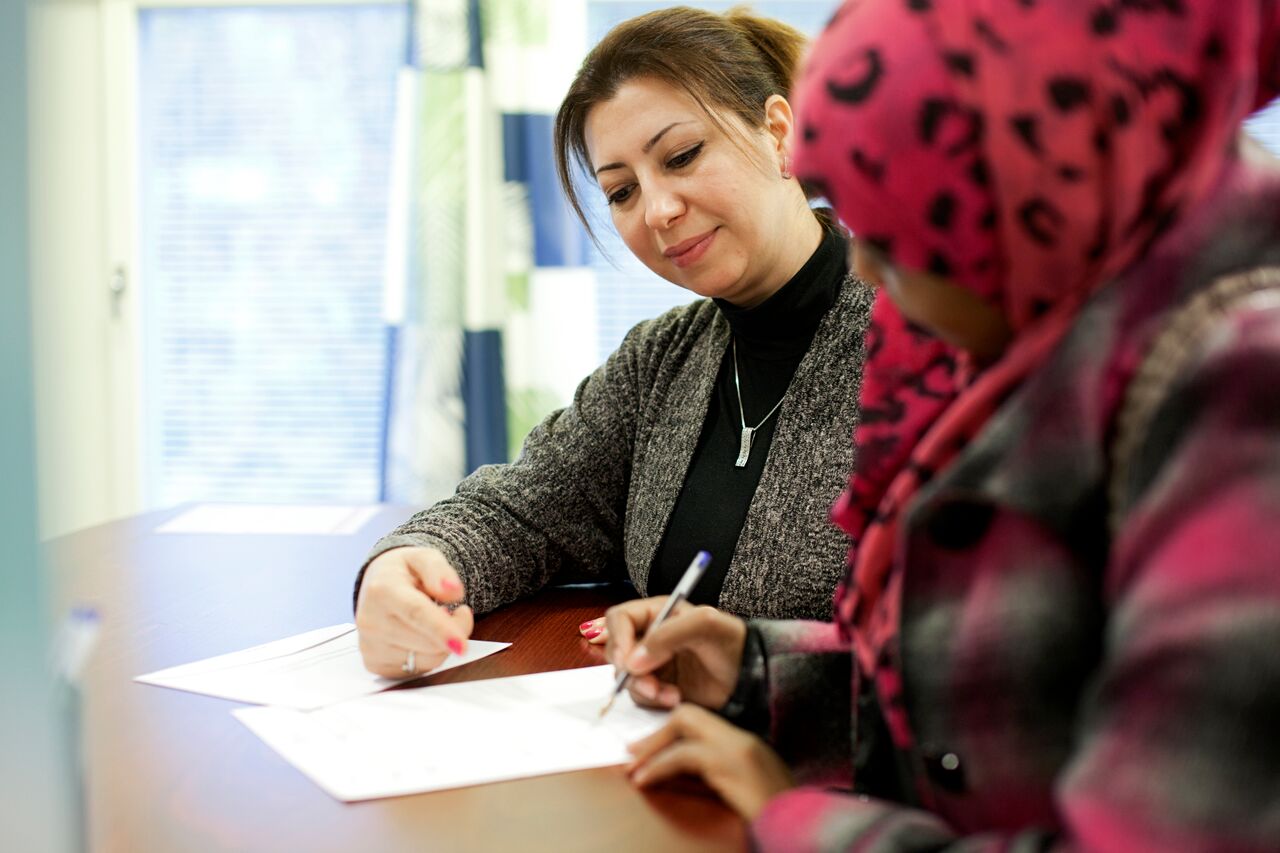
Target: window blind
{"type": "Point", "coordinates": [264, 154]}
{"type": "Point", "coordinates": [1264, 125]}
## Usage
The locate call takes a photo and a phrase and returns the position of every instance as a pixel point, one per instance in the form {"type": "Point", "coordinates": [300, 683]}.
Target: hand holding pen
{"type": "Point", "coordinates": [693, 655]}
{"type": "Point", "coordinates": [688, 581]}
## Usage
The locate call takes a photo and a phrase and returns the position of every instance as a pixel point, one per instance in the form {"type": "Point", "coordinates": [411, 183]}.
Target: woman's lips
{"type": "Point", "coordinates": [690, 251]}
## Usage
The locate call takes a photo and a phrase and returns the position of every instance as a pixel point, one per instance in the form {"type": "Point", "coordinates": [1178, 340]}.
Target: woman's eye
{"type": "Point", "coordinates": [684, 158]}
{"type": "Point", "coordinates": [619, 196]}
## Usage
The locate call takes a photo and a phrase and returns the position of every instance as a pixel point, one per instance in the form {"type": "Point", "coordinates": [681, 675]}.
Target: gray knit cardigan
{"type": "Point", "coordinates": [593, 488]}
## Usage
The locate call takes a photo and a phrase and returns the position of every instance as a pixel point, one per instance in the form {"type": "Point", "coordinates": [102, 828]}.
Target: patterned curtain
{"type": "Point", "coordinates": [486, 267]}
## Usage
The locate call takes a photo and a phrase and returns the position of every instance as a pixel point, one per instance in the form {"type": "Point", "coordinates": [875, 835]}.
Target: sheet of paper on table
{"type": "Point", "coordinates": [454, 735]}
{"type": "Point", "coordinates": [271, 519]}
{"type": "Point", "coordinates": [306, 671]}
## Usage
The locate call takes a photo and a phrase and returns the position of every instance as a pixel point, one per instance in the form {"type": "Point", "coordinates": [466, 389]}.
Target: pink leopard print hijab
{"type": "Point", "coordinates": [1029, 150]}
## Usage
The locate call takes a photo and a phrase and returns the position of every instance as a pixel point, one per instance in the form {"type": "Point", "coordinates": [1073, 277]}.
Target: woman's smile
{"type": "Point", "coordinates": [688, 252]}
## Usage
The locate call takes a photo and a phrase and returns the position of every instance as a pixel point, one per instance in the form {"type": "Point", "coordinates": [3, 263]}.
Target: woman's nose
{"type": "Point", "coordinates": [662, 206]}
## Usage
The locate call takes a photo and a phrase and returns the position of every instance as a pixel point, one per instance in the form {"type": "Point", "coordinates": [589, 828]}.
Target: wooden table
{"type": "Point", "coordinates": [169, 771]}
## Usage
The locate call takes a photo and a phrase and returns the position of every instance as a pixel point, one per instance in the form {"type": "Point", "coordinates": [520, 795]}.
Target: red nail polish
{"type": "Point", "coordinates": [593, 633]}
{"type": "Point", "coordinates": [455, 645]}
{"type": "Point", "coordinates": [585, 625]}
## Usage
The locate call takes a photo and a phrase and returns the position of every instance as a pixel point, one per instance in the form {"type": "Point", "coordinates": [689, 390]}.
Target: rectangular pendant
{"type": "Point", "coordinates": [744, 450]}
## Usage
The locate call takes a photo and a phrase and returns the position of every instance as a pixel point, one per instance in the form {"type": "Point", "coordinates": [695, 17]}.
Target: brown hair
{"type": "Point", "coordinates": [733, 61]}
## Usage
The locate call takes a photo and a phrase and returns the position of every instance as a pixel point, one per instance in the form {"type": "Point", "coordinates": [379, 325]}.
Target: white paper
{"type": "Point", "coordinates": [453, 735]}
{"type": "Point", "coordinates": [307, 671]}
{"type": "Point", "coordinates": [274, 519]}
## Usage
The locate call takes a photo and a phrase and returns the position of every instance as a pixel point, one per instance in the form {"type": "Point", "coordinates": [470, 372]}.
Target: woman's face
{"type": "Point", "coordinates": [690, 202]}
{"type": "Point", "coordinates": [938, 304]}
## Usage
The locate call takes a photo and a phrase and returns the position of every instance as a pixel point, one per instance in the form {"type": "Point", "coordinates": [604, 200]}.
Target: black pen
{"type": "Point", "coordinates": [688, 581]}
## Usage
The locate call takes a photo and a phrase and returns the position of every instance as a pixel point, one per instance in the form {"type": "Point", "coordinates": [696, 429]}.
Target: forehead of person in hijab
{"type": "Point", "coordinates": [1028, 149]}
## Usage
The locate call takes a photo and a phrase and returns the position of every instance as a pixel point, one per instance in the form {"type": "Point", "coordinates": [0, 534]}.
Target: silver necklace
{"type": "Point", "coordinates": [748, 433]}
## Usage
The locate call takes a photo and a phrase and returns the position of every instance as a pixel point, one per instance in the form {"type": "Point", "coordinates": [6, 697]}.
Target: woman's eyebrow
{"type": "Point", "coordinates": [648, 146]}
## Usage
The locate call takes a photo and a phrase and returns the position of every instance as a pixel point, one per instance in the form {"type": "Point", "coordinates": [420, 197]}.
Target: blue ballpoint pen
{"type": "Point", "coordinates": [688, 581]}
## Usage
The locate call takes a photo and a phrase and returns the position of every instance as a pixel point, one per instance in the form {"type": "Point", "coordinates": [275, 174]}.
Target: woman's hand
{"type": "Point", "coordinates": [404, 607]}
{"type": "Point", "coordinates": [595, 631]}
{"type": "Point", "coordinates": [693, 656]}
{"type": "Point", "coordinates": [741, 768]}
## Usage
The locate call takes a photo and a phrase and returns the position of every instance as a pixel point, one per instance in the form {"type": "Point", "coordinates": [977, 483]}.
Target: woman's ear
{"type": "Point", "coordinates": [779, 121]}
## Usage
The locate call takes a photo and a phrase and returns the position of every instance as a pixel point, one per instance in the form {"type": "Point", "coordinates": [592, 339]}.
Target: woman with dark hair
{"type": "Point", "coordinates": [723, 425]}
{"type": "Point", "coordinates": [1060, 623]}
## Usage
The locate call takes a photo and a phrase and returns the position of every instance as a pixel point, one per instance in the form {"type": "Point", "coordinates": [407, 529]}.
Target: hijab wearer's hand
{"type": "Point", "coordinates": [740, 767]}
{"type": "Point", "coordinates": [693, 656]}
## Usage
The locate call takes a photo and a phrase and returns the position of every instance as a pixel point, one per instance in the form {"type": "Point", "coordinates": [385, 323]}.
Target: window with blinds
{"type": "Point", "coordinates": [264, 155]}
{"type": "Point", "coordinates": [1265, 127]}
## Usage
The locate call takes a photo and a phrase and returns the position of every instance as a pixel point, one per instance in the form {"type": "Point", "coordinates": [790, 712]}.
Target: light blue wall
{"type": "Point", "coordinates": [32, 816]}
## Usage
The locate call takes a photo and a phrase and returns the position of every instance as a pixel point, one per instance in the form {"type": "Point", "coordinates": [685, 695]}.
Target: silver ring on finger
{"type": "Point", "coordinates": [410, 665]}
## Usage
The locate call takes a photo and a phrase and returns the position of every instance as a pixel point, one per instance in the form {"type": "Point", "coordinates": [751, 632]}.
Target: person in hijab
{"type": "Point", "coordinates": [1060, 624]}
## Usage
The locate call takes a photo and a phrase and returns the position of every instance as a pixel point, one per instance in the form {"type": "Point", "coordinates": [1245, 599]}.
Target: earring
{"type": "Point", "coordinates": [786, 167]}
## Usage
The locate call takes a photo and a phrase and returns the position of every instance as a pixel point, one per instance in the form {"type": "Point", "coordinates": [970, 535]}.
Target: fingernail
{"type": "Point", "coordinates": [450, 584]}
{"type": "Point", "coordinates": [645, 689]}
{"type": "Point", "coordinates": [584, 626]}
{"type": "Point", "coordinates": [638, 659]}
{"type": "Point", "coordinates": [455, 645]}
{"type": "Point", "coordinates": [593, 633]}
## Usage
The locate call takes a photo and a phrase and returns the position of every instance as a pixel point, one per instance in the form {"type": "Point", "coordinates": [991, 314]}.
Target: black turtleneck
{"type": "Point", "coordinates": [772, 338]}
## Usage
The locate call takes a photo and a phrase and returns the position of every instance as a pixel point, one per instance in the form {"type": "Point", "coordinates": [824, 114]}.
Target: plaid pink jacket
{"type": "Point", "coordinates": [1064, 690]}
